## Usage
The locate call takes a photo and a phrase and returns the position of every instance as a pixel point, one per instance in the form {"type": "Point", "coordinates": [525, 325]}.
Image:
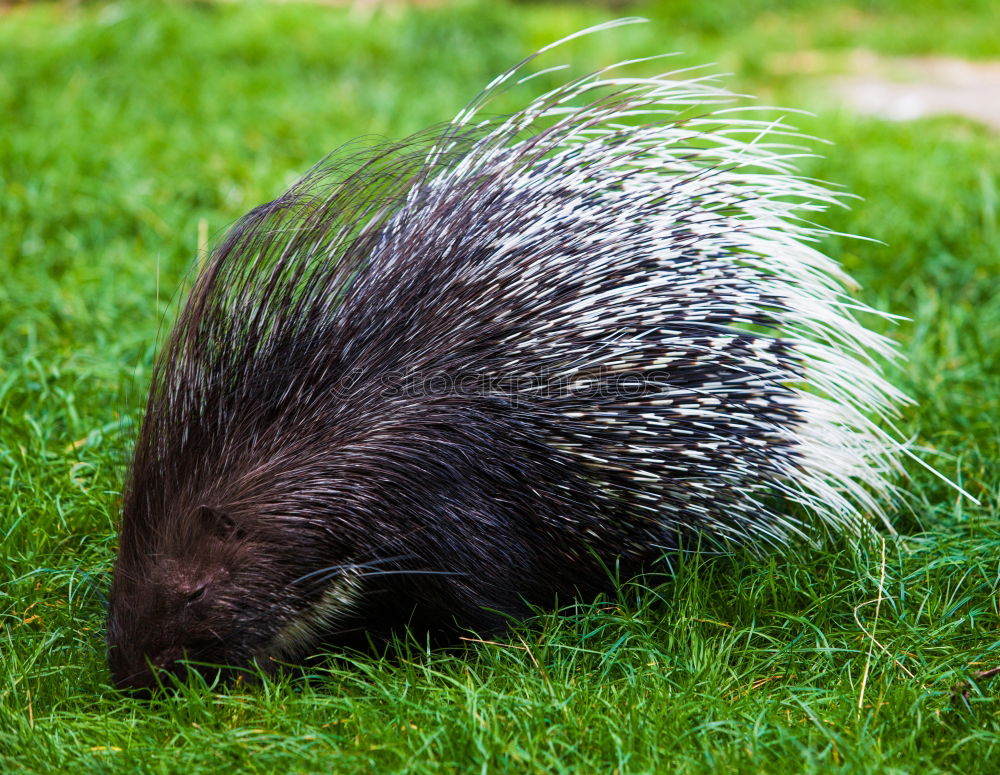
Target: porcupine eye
{"type": "Point", "coordinates": [197, 594]}
{"type": "Point", "coordinates": [195, 585]}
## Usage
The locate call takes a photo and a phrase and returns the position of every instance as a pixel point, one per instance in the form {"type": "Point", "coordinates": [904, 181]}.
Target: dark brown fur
{"type": "Point", "coordinates": [280, 440]}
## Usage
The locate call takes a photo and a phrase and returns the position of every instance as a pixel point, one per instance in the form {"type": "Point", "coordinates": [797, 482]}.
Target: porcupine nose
{"type": "Point", "coordinates": [141, 677]}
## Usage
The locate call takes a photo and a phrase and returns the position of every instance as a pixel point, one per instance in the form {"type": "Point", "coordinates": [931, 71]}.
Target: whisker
{"type": "Point", "coordinates": [351, 566]}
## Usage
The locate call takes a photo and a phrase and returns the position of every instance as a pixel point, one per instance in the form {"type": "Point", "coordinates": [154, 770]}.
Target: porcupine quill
{"type": "Point", "coordinates": [439, 381]}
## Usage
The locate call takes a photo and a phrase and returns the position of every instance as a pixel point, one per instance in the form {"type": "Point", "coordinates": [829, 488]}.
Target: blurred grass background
{"type": "Point", "coordinates": [132, 133]}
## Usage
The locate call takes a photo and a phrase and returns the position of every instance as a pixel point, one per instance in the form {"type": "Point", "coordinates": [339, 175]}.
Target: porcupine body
{"type": "Point", "coordinates": [437, 382]}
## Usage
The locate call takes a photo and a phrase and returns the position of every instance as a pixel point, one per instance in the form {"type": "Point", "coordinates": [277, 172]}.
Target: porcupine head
{"type": "Point", "coordinates": [438, 381]}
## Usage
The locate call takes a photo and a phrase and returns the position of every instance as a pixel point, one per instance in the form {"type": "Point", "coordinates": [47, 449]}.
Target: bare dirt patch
{"type": "Point", "coordinates": [903, 89]}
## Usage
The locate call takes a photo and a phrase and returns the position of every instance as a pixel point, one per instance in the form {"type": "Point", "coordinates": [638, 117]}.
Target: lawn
{"type": "Point", "coordinates": [132, 134]}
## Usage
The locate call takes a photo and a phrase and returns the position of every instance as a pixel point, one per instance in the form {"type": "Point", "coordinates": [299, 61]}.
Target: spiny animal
{"type": "Point", "coordinates": [442, 380]}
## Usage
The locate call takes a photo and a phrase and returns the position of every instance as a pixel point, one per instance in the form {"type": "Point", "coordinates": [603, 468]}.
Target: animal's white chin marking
{"type": "Point", "coordinates": [304, 629]}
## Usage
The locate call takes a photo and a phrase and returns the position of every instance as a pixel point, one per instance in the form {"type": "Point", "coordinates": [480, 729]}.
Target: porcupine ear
{"type": "Point", "coordinates": [216, 523]}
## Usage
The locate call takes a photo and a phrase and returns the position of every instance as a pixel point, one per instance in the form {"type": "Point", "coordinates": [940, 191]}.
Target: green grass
{"type": "Point", "coordinates": [126, 131]}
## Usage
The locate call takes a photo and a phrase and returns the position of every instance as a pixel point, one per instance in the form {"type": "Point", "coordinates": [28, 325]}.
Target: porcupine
{"type": "Point", "coordinates": [442, 381]}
